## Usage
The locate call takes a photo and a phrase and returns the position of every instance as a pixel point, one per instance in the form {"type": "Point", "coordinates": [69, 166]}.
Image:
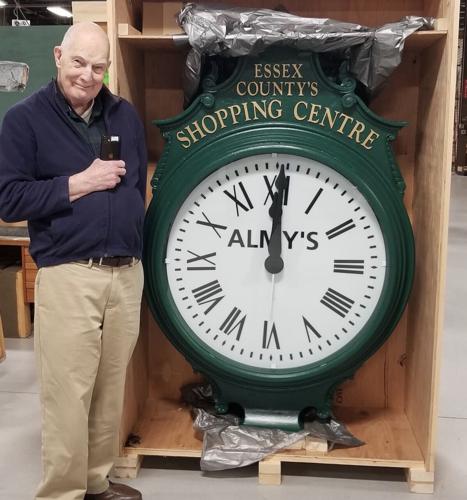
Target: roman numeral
{"type": "Point", "coordinates": [349, 266]}
{"type": "Point", "coordinates": [270, 188]}
{"type": "Point", "coordinates": [205, 259]}
{"type": "Point", "coordinates": [208, 294]}
{"type": "Point", "coordinates": [341, 228]}
{"type": "Point", "coordinates": [210, 224]}
{"type": "Point", "coordinates": [313, 201]}
{"type": "Point", "coordinates": [238, 203]}
{"type": "Point", "coordinates": [269, 336]}
{"type": "Point", "coordinates": [310, 328]}
{"type": "Point", "coordinates": [338, 303]}
{"type": "Point", "coordinates": [230, 324]}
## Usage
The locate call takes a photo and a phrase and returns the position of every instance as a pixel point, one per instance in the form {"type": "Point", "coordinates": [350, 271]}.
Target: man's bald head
{"type": "Point", "coordinates": [85, 31]}
{"type": "Point", "coordinates": [82, 60]}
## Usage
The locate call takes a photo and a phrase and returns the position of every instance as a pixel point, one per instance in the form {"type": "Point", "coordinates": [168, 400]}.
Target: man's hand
{"type": "Point", "coordinates": [99, 176]}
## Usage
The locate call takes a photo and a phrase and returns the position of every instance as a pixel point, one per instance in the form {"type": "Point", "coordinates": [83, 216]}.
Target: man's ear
{"type": "Point", "coordinates": [58, 56]}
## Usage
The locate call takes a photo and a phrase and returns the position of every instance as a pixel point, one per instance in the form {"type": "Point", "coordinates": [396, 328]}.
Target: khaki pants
{"type": "Point", "coordinates": [86, 327]}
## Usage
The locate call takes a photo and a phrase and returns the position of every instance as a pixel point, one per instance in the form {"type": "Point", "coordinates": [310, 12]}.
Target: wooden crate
{"type": "Point", "coordinates": [392, 401]}
{"type": "Point", "coordinates": [29, 274]}
{"type": "Point", "coordinates": [14, 308]}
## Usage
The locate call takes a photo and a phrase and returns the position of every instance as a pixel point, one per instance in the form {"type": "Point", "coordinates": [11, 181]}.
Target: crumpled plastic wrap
{"type": "Point", "coordinates": [228, 445]}
{"type": "Point", "coordinates": [373, 53]}
{"type": "Point", "coordinates": [13, 76]}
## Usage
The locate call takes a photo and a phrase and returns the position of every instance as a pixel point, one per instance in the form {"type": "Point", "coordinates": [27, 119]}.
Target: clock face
{"type": "Point", "coordinates": [332, 249]}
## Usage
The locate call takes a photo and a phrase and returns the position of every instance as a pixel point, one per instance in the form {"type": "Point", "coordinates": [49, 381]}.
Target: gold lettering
{"type": "Point", "coordinates": [297, 73]}
{"type": "Point", "coordinates": [183, 139]}
{"type": "Point", "coordinates": [234, 112]}
{"type": "Point", "coordinates": [262, 111]}
{"type": "Point", "coordinates": [371, 137]}
{"type": "Point", "coordinates": [327, 114]}
{"type": "Point", "coordinates": [295, 111]}
{"type": "Point", "coordinates": [264, 88]}
{"type": "Point", "coordinates": [221, 119]}
{"type": "Point", "coordinates": [267, 71]}
{"type": "Point", "coordinates": [359, 127]}
{"type": "Point", "coordinates": [197, 129]}
{"type": "Point", "coordinates": [289, 85]}
{"type": "Point", "coordinates": [253, 88]}
{"type": "Point", "coordinates": [301, 87]}
{"type": "Point", "coordinates": [245, 111]}
{"type": "Point", "coordinates": [286, 71]}
{"type": "Point", "coordinates": [277, 113]}
{"type": "Point", "coordinates": [277, 88]}
{"type": "Point", "coordinates": [258, 70]}
{"type": "Point", "coordinates": [314, 111]}
{"type": "Point", "coordinates": [314, 89]}
{"type": "Point", "coordinates": [243, 92]}
{"type": "Point", "coordinates": [344, 122]}
{"type": "Point", "coordinates": [213, 121]}
{"type": "Point", "coordinates": [276, 70]}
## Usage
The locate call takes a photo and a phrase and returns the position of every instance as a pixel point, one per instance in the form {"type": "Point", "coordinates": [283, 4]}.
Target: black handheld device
{"type": "Point", "coordinates": [110, 147]}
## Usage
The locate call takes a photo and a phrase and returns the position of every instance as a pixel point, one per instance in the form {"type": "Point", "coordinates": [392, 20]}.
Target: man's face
{"type": "Point", "coordinates": [81, 68]}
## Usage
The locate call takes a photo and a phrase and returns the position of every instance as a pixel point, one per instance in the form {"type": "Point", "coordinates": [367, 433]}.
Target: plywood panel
{"type": "Point", "coordinates": [366, 12]}
{"type": "Point", "coordinates": [166, 429]}
{"type": "Point", "coordinates": [431, 205]}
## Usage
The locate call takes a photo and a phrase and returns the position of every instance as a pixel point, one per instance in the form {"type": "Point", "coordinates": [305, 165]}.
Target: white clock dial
{"type": "Point", "coordinates": [332, 249]}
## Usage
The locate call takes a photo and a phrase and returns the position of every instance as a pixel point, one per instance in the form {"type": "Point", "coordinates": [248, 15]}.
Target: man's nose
{"type": "Point", "coordinates": [87, 73]}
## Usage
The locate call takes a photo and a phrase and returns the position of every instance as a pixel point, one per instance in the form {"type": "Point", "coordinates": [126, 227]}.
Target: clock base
{"type": "Point", "coordinates": [281, 419]}
{"type": "Point", "coordinates": [280, 409]}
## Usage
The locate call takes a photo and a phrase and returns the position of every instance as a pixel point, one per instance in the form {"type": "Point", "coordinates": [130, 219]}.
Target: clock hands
{"type": "Point", "coordinates": [274, 263]}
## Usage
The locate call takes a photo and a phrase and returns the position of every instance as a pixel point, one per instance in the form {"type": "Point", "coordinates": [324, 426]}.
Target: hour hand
{"type": "Point", "coordinates": [274, 263]}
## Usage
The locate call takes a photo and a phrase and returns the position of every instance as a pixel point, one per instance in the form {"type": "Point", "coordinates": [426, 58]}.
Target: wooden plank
{"type": "Point", "coordinates": [431, 214]}
{"type": "Point", "coordinates": [416, 42]}
{"type": "Point", "coordinates": [30, 296]}
{"type": "Point", "coordinates": [15, 241]}
{"type": "Point", "coordinates": [269, 471]}
{"type": "Point", "coordinates": [125, 29]}
{"type": "Point", "coordinates": [420, 480]}
{"type": "Point", "coordinates": [95, 12]}
{"type": "Point", "coordinates": [160, 18]}
{"type": "Point", "coordinates": [22, 308]}
{"type": "Point", "coordinates": [127, 467]}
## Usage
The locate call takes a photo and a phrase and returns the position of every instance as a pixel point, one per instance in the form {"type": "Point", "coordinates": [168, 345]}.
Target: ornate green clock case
{"type": "Point", "coordinates": [278, 252]}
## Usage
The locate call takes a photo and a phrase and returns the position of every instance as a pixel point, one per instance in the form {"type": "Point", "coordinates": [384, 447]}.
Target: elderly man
{"type": "Point", "coordinates": [85, 218]}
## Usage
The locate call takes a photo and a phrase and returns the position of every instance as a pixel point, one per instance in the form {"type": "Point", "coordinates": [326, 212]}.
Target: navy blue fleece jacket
{"type": "Point", "coordinates": [39, 150]}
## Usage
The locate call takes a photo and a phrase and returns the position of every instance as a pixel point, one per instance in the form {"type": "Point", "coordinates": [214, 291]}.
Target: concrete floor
{"type": "Point", "coordinates": [180, 478]}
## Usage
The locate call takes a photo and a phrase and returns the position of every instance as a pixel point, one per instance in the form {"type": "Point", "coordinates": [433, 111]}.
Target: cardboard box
{"type": "Point", "coordinates": [160, 18]}
{"type": "Point", "coordinates": [15, 313]}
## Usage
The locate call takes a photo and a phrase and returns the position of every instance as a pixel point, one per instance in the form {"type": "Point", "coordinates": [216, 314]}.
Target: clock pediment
{"type": "Point", "coordinates": [281, 87]}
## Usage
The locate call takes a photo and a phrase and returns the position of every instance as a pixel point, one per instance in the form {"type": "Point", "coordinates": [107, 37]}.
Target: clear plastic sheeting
{"type": "Point", "coordinates": [228, 445]}
{"type": "Point", "coordinates": [13, 76]}
{"type": "Point", "coordinates": [373, 53]}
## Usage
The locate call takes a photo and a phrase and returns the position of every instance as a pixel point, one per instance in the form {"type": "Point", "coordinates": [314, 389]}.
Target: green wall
{"type": "Point", "coordinates": [32, 45]}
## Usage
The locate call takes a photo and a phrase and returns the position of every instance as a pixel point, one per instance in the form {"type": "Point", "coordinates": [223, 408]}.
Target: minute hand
{"type": "Point", "coordinates": [274, 263]}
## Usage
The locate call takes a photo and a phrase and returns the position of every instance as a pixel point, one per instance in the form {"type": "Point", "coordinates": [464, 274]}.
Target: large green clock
{"type": "Point", "coordinates": [279, 255]}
